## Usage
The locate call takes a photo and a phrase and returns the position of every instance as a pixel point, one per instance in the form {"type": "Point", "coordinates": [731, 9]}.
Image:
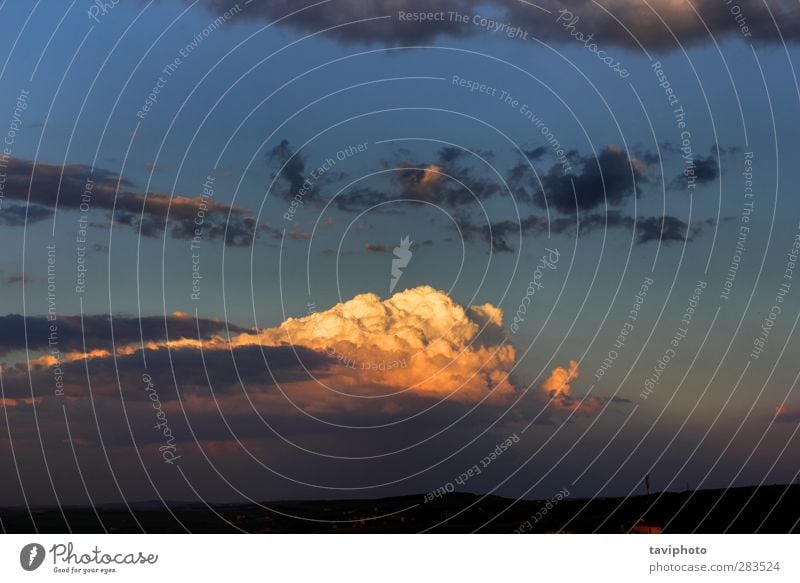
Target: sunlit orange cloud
{"type": "Point", "coordinates": [48, 360]}
{"type": "Point", "coordinates": [418, 339]}
{"type": "Point", "coordinates": [431, 176]}
{"type": "Point", "coordinates": [10, 403]}
{"type": "Point", "coordinates": [213, 343]}
{"type": "Point", "coordinates": [558, 388]}
{"type": "Point", "coordinates": [417, 343]}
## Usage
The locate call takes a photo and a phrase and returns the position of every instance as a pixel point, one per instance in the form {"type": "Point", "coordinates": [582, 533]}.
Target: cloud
{"type": "Point", "coordinates": [375, 248]}
{"type": "Point", "coordinates": [18, 215]}
{"type": "Point", "coordinates": [558, 383]}
{"type": "Point", "coordinates": [96, 331]}
{"type": "Point", "coordinates": [76, 187]}
{"type": "Point", "coordinates": [657, 25]}
{"type": "Point", "coordinates": [453, 178]}
{"type": "Point", "coordinates": [457, 178]}
{"type": "Point", "coordinates": [416, 357]}
{"type": "Point", "coordinates": [359, 198]}
{"type": "Point", "coordinates": [611, 178]}
{"type": "Point", "coordinates": [292, 177]}
{"type": "Point", "coordinates": [535, 153]}
{"type": "Point", "coordinates": [385, 31]}
{"type": "Point", "coordinates": [215, 373]}
{"type": "Point", "coordinates": [334, 252]}
{"type": "Point", "coordinates": [704, 169]}
{"type": "Point", "coordinates": [236, 233]}
{"type": "Point", "coordinates": [420, 180]}
{"type": "Point", "coordinates": [9, 403]}
{"type": "Point", "coordinates": [660, 25]}
{"type": "Point", "coordinates": [497, 234]}
{"type": "Point", "coordinates": [153, 167]}
{"type": "Point", "coordinates": [787, 414]}
{"type": "Point", "coordinates": [558, 388]}
{"type": "Point", "coordinates": [362, 358]}
{"type": "Point", "coordinates": [666, 229]}
{"type": "Point", "coordinates": [18, 278]}
{"type": "Point", "coordinates": [387, 249]}
{"type": "Point", "coordinates": [425, 181]}
{"type": "Point", "coordinates": [418, 344]}
{"type": "Point", "coordinates": [418, 341]}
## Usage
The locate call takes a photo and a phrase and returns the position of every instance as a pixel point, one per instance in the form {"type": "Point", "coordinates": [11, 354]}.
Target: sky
{"type": "Point", "coordinates": [293, 250]}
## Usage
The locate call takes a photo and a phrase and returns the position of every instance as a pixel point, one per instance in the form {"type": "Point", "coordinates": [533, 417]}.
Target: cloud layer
{"type": "Point", "coordinates": [365, 354]}
{"type": "Point", "coordinates": [656, 25]}
{"type": "Point", "coordinates": [43, 188]}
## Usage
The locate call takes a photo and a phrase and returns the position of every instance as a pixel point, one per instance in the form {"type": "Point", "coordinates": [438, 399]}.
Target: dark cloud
{"type": "Point", "coordinates": [659, 25]}
{"type": "Point", "coordinates": [453, 177]}
{"type": "Point", "coordinates": [16, 215]}
{"type": "Point", "coordinates": [384, 31]}
{"type": "Point", "coordinates": [450, 154]}
{"type": "Point", "coordinates": [435, 181]}
{"type": "Point", "coordinates": [43, 186]}
{"type": "Point", "coordinates": [519, 172]}
{"type": "Point", "coordinates": [334, 253]}
{"type": "Point", "coordinates": [705, 168]}
{"type": "Point", "coordinates": [648, 157]}
{"type": "Point", "coordinates": [360, 198]}
{"type": "Point", "coordinates": [500, 234]}
{"type": "Point", "coordinates": [239, 232]}
{"type": "Point", "coordinates": [535, 153]}
{"type": "Point", "coordinates": [610, 178]}
{"type": "Point", "coordinates": [668, 229]}
{"type": "Point", "coordinates": [96, 331]}
{"type": "Point", "coordinates": [221, 372]}
{"type": "Point", "coordinates": [717, 150]}
{"type": "Point", "coordinates": [291, 174]}
{"type": "Point", "coordinates": [227, 370]}
{"type": "Point", "coordinates": [497, 234]}
{"type": "Point", "coordinates": [18, 278]}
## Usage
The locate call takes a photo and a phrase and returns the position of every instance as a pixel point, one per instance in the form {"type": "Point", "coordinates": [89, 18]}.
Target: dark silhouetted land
{"type": "Point", "coordinates": [766, 509]}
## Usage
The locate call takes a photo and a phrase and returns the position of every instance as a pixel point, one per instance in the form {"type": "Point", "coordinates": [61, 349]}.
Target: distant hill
{"type": "Point", "coordinates": [766, 509]}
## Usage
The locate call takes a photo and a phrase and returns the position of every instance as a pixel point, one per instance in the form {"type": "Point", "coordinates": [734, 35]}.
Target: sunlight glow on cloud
{"type": "Point", "coordinates": [558, 387]}
{"type": "Point", "coordinates": [446, 349]}
{"type": "Point", "coordinates": [362, 354]}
